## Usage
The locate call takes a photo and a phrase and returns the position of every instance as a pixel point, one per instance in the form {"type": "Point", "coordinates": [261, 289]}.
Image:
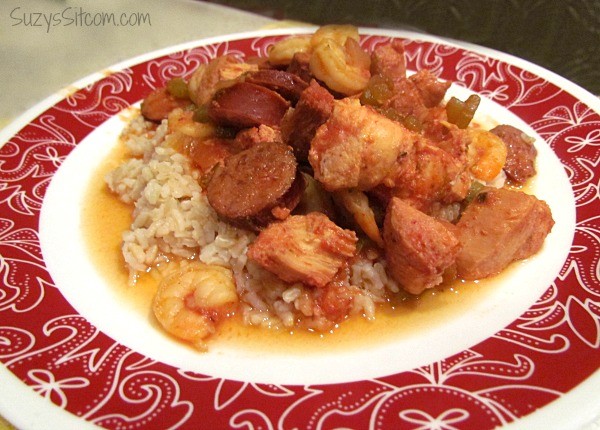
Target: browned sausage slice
{"type": "Point", "coordinates": [245, 105]}
{"type": "Point", "coordinates": [256, 186]}
{"type": "Point", "coordinates": [521, 154]}
{"type": "Point", "coordinates": [287, 84]}
{"type": "Point", "coordinates": [300, 66]}
{"type": "Point", "coordinates": [300, 124]}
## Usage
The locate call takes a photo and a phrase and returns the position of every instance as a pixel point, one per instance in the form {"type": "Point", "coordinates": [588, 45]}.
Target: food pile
{"type": "Point", "coordinates": [304, 188]}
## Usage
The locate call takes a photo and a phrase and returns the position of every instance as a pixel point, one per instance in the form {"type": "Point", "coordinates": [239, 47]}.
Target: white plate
{"type": "Point", "coordinates": [526, 346]}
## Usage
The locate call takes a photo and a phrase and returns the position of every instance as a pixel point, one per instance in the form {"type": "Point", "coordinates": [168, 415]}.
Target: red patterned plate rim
{"type": "Point", "coordinates": [58, 366]}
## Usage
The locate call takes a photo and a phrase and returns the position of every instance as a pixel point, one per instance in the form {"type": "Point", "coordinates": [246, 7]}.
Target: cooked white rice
{"type": "Point", "coordinates": [172, 217]}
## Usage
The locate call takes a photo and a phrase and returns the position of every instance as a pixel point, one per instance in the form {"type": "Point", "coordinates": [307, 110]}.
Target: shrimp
{"type": "Point", "coordinates": [209, 78]}
{"type": "Point", "coordinates": [338, 33]}
{"type": "Point", "coordinates": [189, 302]}
{"type": "Point", "coordinates": [198, 140]}
{"type": "Point", "coordinates": [344, 68]}
{"type": "Point", "coordinates": [486, 154]}
{"type": "Point", "coordinates": [282, 52]}
{"type": "Point", "coordinates": [181, 121]}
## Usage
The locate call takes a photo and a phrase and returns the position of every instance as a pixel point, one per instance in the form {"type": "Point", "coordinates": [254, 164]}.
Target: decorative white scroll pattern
{"type": "Point", "coordinates": [183, 64]}
{"type": "Point", "coordinates": [23, 275]}
{"type": "Point", "coordinates": [101, 100]}
{"type": "Point", "coordinates": [77, 367]}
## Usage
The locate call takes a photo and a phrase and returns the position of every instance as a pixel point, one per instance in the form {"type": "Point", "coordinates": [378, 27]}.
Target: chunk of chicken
{"type": "Point", "coordinates": [416, 95]}
{"type": "Point", "coordinates": [407, 101]}
{"type": "Point", "coordinates": [304, 248]}
{"type": "Point", "coordinates": [499, 227]}
{"type": "Point", "coordinates": [428, 174]}
{"type": "Point", "coordinates": [431, 89]}
{"type": "Point", "coordinates": [248, 137]}
{"type": "Point", "coordinates": [418, 248]}
{"type": "Point", "coordinates": [389, 61]}
{"type": "Point", "coordinates": [357, 147]}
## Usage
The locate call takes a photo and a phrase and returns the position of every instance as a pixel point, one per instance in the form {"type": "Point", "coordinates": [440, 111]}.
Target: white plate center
{"type": "Point", "coordinates": [77, 278]}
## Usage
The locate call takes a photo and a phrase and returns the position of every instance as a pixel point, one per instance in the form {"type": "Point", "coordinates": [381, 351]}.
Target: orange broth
{"type": "Point", "coordinates": [105, 218]}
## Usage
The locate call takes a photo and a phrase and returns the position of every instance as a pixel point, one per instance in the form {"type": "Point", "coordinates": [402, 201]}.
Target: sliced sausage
{"type": "Point", "coordinates": [300, 66]}
{"type": "Point", "coordinates": [245, 105]}
{"type": "Point", "coordinates": [256, 186]}
{"type": "Point", "coordinates": [208, 78]}
{"type": "Point", "coordinates": [288, 85]}
{"type": "Point", "coordinates": [299, 125]}
{"type": "Point", "coordinates": [521, 154]}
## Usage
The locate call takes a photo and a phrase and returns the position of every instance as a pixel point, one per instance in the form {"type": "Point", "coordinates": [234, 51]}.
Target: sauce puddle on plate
{"type": "Point", "coordinates": [105, 218]}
